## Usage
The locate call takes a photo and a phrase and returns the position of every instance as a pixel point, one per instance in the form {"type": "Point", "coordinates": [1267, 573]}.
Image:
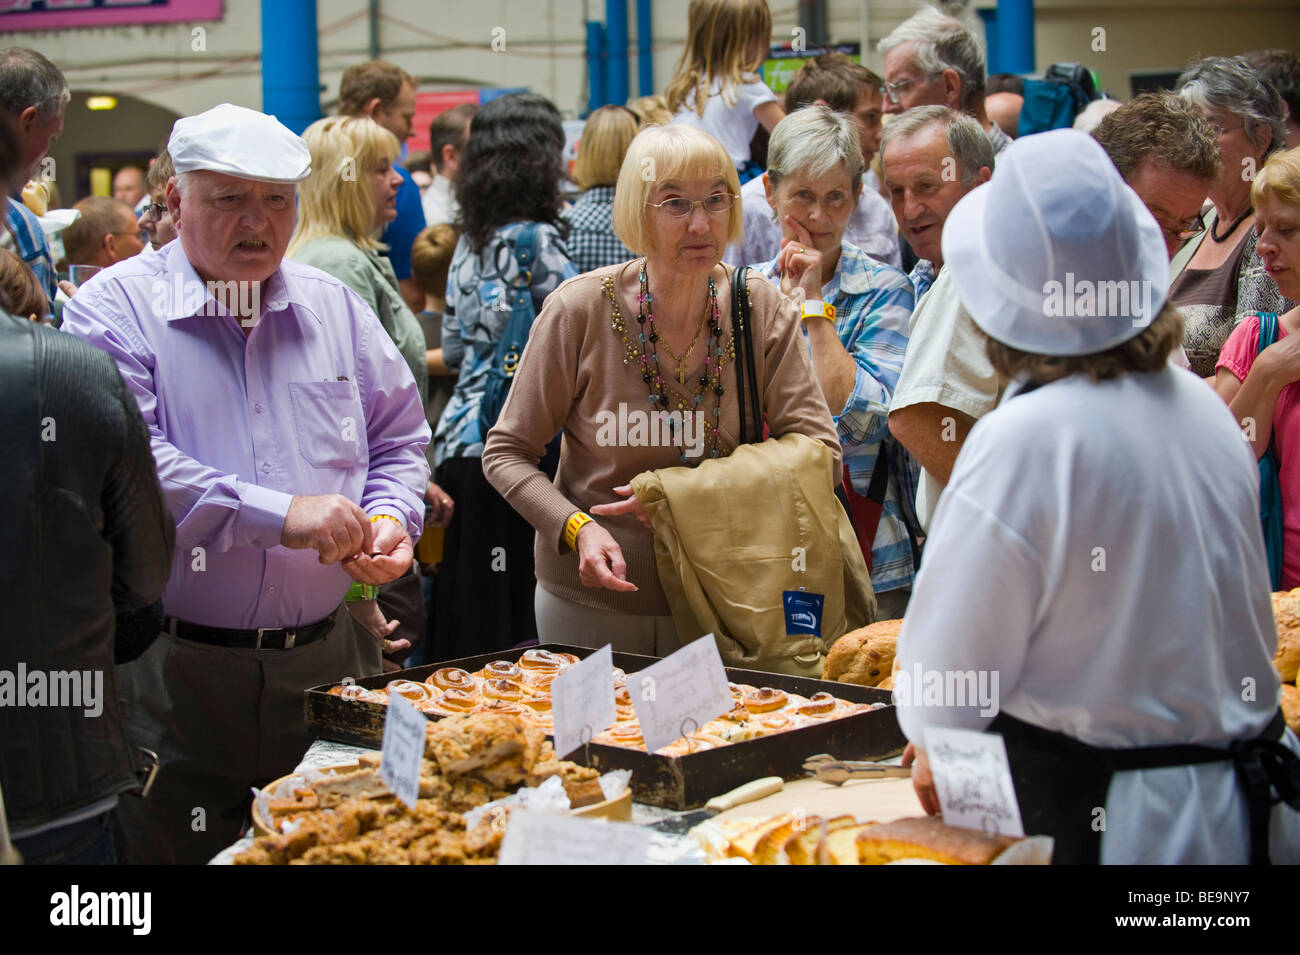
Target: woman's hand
{"type": "Point", "coordinates": [1282, 359]}
{"type": "Point", "coordinates": [799, 264]}
{"type": "Point", "coordinates": [600, 559]}
{"type": "Point", "coordinates": [629, 506]}
{"type": "Point", "coordinates": [440, 502]}
{"type": "Point", "coordinates": [368, 614]}
{"type": "Point", "coordinates": [922, 779]}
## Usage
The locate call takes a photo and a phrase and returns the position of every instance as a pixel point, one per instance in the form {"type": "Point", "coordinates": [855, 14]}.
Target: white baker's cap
{"type": "Point", "coordinates": [1056, 255]}
{"type": "Point", "coordinates": [239, 142]}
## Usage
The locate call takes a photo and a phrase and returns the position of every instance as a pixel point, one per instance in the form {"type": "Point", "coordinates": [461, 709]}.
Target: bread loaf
{"type": "Point", "coordinates": [1286, 616]}
{"type": "Point", "coordinates": [926, 837]}
{"type": "Point", "coordinates": [865, 656]}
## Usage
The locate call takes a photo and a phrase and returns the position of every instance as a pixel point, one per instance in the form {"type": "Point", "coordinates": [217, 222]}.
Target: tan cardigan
{"type": "Point", "coordinates": [572, 370]}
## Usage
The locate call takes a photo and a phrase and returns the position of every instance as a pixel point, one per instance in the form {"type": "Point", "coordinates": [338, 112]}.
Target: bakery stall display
{"type": "Point", "coordinates": [522, 689]}
{"type": "Point", "coordinates": [471, 760]}
{"type": "Point", "coordinates": [775, 723]}
{"type": "Point", "coordinates": [796, 839]}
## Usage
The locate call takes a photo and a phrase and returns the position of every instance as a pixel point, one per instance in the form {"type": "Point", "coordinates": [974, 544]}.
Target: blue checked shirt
{"type": "Point", "coordinates": [873, 306]}
{"type": "Point", "coordinates": [592, 243]}
{"type": "Point", "coordinates": [31, 246]}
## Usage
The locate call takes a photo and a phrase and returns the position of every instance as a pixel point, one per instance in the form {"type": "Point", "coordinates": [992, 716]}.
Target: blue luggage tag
{"type": "Point", "coordinates": [803, 612]}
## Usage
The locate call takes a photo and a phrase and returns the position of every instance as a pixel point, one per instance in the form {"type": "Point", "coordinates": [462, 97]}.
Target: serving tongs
{"type": "Point", "coordinates": [828, 769]}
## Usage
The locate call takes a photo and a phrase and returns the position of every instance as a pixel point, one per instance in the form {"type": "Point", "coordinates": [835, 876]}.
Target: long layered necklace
{"type": "Point", "coordinates": [641, 350]}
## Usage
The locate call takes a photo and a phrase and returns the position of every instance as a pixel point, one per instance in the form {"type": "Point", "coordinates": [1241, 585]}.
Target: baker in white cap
{"type": "Point", "coordinates": [1096, 559]}
{"type": "Point", "coordinates": [289, 439]}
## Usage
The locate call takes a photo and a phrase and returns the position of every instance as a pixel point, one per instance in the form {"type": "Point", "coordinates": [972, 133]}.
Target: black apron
{"type": "Point", "coordinates": [1062, 782]}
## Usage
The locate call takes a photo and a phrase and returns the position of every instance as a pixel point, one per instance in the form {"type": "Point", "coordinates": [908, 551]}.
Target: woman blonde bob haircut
{"type": "Point", "coordinates": [664, 154]}
{"type": "Point", "coordinates": [1278, 179]}
{"type": "Point", "coordinates": [605, 138]}
{"type": "Point", "coordinates": [337, 199]}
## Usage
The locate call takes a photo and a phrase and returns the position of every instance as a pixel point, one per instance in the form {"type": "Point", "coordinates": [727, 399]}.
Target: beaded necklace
{"type": "Point", "coordinates": [644, 354]}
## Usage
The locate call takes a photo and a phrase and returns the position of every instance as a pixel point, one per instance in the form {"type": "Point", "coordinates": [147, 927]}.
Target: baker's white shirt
{"type": "Point", "coordinates": [1099, 549]}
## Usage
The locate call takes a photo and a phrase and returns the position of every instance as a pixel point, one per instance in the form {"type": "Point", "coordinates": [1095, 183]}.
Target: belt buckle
{"type": "Point", "coordinates": [290, 634]}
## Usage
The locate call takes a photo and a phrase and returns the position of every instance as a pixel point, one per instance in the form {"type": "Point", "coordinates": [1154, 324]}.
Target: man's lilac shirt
{"type": "Point", "coordinates": [316, 400]}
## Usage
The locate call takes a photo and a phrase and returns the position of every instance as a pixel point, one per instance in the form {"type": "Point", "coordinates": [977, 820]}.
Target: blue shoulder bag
{"type": "Point", "coordinates": [505, 359]}
{"type": "Point", "coordinates": [1270, 485]}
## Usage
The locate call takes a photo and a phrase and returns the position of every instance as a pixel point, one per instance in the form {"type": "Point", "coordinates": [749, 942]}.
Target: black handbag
{"type": "Point", "coordinates": [751, 413]}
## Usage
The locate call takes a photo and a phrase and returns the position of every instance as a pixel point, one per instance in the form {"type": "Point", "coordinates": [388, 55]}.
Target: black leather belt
{"type": "Point", "coordinates": [263, 638]}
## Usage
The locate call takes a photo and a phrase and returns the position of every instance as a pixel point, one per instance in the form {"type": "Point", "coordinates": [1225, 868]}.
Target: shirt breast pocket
{"type": "Point", "coordinates": [328, 422]}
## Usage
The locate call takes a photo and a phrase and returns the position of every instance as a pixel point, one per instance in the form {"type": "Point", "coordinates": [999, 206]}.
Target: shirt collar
{"type": "Point", "coordinates": [278, 291]}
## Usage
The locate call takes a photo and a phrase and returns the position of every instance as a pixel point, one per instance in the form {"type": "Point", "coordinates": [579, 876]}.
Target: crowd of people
{"type": "Point", "coordinates": [365, 424]}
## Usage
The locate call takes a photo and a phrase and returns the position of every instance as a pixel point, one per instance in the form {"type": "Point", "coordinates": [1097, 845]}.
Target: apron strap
{"type": "Point", "coordinates": [1078, 777]}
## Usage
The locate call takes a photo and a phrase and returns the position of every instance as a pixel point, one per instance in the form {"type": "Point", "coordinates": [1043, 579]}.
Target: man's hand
{"type": "Point", "coordinates": [331, 525]}
{"type": "Point", "coordinates": [922, 780]}
{"type": "Point", "coordinates": [600, 559]}
{"type": "Point", "coordinates": [441, 503]}
{"type": "Point", "coordinates": [387, 557]}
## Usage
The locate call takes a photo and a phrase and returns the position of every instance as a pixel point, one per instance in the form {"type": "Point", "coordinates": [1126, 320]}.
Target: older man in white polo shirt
{"type": "Point", "coordinates": [289, 439]}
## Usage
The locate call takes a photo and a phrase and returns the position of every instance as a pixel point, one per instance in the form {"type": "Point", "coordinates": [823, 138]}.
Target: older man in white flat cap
{"type": "Point", "coordinates": [1096, 558]}
{"type": "Point", "coordinates": [289, 440]}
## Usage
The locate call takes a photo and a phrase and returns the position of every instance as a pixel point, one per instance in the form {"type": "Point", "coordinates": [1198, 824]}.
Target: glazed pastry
{"type": "Point", "coordinates": [453, 702]}
{"type": "Point", "coordinates": [415, 692]}
{"type": "Point", "coordinates": [503, 690]}
{"type": "Point", "coordinates": [539, 681]}
{"type": "Point", "coordinates": [541, 702]}
{"type": "Point", "coordinates": [501, 670]}
{"type": "Point", "coordinates": [626, 734]}
{"type": "Point", "coordinates": [451, 677]}
{"type": "Point", "coordinates": [505, 708]}
{"type": "Point", "coordinates": [539, 660]}
{"type": "Point", "coordinates": [765, 700]}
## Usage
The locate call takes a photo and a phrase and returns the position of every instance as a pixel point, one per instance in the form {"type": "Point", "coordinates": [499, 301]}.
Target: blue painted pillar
{"type": "Point", "coordinates": [993, 49]}
{"type": "Point", "coordinates": [290, 62]}
{"type": "Point", "coordinates": [616, 39]}
{"type": "Point", "coordinates": [595, 66]}
{"type": "Point", "coordinates": [1015, 28]}
{"type": "Point", "coordinates": [645, 64]}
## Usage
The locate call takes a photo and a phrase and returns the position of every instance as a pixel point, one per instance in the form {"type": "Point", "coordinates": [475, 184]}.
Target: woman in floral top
{"type": "Point", "coordinates": [510, 177]}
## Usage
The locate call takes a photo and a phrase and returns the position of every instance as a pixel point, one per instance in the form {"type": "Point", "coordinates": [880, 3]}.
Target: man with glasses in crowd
{"type": "Point", "coordinates": [1169, 155]}
{"type": "Point", "coordinates": [932, 59]}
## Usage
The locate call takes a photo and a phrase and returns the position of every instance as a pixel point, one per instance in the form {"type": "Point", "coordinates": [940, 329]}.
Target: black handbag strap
{"type": "Point", "coordinates": [746, 377]}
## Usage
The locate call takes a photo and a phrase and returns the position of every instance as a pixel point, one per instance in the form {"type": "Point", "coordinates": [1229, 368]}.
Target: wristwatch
{"type": "Point", "coordinates": [815, 308]}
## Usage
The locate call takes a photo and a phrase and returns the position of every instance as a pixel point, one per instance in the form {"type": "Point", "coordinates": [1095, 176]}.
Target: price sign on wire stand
{"type": "Point", "coordinates": [582, 701]}
{"type": "Point", "coordinates": [544, 838]}
{"type": "Point", "coordinates": [680, 693]}
{"type": "Point", "coordinates": [973, 779]}
{"type": "Point", "coordinates": [403, 748]}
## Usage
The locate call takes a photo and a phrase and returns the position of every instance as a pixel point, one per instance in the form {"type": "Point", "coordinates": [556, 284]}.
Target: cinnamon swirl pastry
{"type": "Point", "coordinates": [506, 690]}
{"type": "Point", "coordinates": [451, 702]}
{"type": "Point", "coordinates": [451, 678]}
{"type": "Point", "coordinates": [765, 700]}
{"type": "Point", "coordinates": [501, 670]}
{"type": "Point", "coordinates": [415, 692]}
{"type": "Point", "coordinates": [540, 660]}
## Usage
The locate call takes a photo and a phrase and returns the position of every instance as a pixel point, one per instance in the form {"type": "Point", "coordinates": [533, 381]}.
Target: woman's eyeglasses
{"type": "Point", "coordinates": [154, 211]}
{"type": "Point", "coordinates": [714, 205]}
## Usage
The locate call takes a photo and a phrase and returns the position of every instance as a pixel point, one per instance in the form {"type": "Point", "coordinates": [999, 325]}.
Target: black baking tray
{"type": "Point", "coordinates": [673, 782]}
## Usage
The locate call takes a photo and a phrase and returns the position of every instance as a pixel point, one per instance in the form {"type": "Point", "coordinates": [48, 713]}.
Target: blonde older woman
{"type": "Point", "coordinates": [343, 205]}
{"type": "Point", "coordinates": [628, 343]}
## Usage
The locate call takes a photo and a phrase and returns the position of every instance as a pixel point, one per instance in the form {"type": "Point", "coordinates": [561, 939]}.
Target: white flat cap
{"type": "Point", "coordinates": [239, 142]}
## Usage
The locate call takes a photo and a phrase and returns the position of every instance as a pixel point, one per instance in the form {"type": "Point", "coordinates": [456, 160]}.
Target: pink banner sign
{"type": "Point", "coordinates": [70, 14]}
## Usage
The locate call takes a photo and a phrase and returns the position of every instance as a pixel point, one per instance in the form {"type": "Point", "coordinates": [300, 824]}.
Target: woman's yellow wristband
{"type": "Point", "coordinates": [575, 523]}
